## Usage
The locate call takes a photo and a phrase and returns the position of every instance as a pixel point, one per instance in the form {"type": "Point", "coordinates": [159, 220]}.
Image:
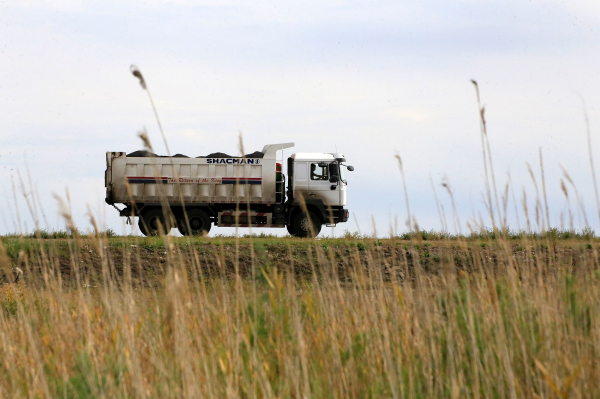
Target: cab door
{"type": "Point", "coordinates": [336, 176]}
{"type": "Point", "coordinates": [319, 186]}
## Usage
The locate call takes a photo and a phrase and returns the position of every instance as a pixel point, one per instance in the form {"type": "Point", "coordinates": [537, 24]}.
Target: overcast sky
{"type": "Point", "coordinates": [366, 77]}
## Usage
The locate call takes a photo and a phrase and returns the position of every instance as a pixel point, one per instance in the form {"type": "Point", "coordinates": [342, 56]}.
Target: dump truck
{"type": "Point", "coordinates": [192, 194]}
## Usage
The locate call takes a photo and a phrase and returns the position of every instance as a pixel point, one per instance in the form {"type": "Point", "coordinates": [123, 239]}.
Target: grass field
{"type": "Point", "coordinates": [418, 316]}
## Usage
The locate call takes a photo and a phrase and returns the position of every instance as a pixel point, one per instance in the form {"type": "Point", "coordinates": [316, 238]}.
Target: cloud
{"type": "Point", "coordinates": [194, 135]}
{"type": "Point", "coordinates": [365, 78]}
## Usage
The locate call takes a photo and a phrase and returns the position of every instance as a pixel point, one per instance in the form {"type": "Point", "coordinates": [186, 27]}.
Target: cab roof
{"type": "Point", "coordinates": [313, 156]}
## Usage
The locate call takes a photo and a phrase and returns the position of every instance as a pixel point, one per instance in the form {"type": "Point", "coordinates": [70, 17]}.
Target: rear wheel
{"type": "Point", "coordinates": [199, 222]}
{"type": "Point", "coordinates": [153, 222]}
{"type": "Point", "coordinates": [301, 224]}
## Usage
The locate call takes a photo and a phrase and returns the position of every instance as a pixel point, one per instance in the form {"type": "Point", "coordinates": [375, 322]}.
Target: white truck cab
{"type": "Point", "coordinates": [316, 181]}
{"type": "Point", "coordinates": [319, 176]}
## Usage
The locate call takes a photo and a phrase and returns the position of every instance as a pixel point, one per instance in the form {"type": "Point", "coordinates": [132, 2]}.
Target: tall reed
{"type": "Point", "coordinates": [349, 317]}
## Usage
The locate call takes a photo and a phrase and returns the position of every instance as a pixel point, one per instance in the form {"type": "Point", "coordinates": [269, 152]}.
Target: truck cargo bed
{"type": "Point", "coordinates": [154, 179]}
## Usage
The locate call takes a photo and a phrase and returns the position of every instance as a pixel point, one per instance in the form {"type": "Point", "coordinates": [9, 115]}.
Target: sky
{"type": "Point", "coordinates": [370, 79]}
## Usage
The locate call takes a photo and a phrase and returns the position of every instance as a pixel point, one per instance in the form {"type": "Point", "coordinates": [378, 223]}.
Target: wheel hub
{"type": "Point", "coordinates": [195, 223]}
{"type": "Point", "coordinates": [305, 224]}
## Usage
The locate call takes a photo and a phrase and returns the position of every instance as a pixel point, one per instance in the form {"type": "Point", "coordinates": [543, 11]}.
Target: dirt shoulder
{"type": "Point", "coordinates": [147, 260]}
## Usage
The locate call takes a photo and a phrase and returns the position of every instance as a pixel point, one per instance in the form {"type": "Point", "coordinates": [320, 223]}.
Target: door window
{"type": "Point", "coordinates": [318, 172]}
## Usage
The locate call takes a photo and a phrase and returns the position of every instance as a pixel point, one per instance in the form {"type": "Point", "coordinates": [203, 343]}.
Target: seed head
{"type": "Point", "coordinates": [138, 74]}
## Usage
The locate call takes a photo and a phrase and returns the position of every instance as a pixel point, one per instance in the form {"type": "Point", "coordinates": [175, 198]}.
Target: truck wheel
{"type": "Point", "coordinates": [301, 225]}
{"type": "Point", "coordinates": [199, 223]}
{"type": "Point", "coordinates": [290, 229]}
{"type": "Point", "coordinates": [151, 221]}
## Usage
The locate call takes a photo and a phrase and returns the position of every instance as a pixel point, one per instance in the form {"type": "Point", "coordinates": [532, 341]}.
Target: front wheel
{"type": "Point", "coordinates": [290, 229]}
{"type": "Point", "coordinates": [305, 225]}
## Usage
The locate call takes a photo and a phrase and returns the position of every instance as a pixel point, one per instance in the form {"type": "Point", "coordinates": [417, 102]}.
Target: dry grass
{"type": "Point", "coordinates": [410, 319]}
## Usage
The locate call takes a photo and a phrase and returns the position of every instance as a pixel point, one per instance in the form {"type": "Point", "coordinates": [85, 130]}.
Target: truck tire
{"type": "Point", "coordinates": [290, 229]}
{"type": "Point", "coordinates": [199, 223]}
{"type": "Point", "coordinates": [151, 220]}
{"type": "Point", "coordinates": [300, 225]}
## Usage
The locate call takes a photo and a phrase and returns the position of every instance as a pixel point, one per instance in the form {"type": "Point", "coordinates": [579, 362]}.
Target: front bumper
{"type": "Point", "coordinates": [343, 215]}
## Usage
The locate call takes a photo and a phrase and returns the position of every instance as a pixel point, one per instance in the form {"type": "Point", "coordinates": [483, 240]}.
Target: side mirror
{"type": "Point", "coordinates": [350, 168]}
{"type": "Point", "coordinates": [322, 164]}
{"type": "Point", "coordinates": [334, 179]}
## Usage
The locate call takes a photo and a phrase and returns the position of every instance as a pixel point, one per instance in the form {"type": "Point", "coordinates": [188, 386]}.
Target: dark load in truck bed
{"type": "Point", "coordinates": [144, 154]}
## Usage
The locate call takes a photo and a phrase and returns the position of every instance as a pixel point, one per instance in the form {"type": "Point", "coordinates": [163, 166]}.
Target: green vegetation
{"type": "Point", "coordinates": [481, 316]}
